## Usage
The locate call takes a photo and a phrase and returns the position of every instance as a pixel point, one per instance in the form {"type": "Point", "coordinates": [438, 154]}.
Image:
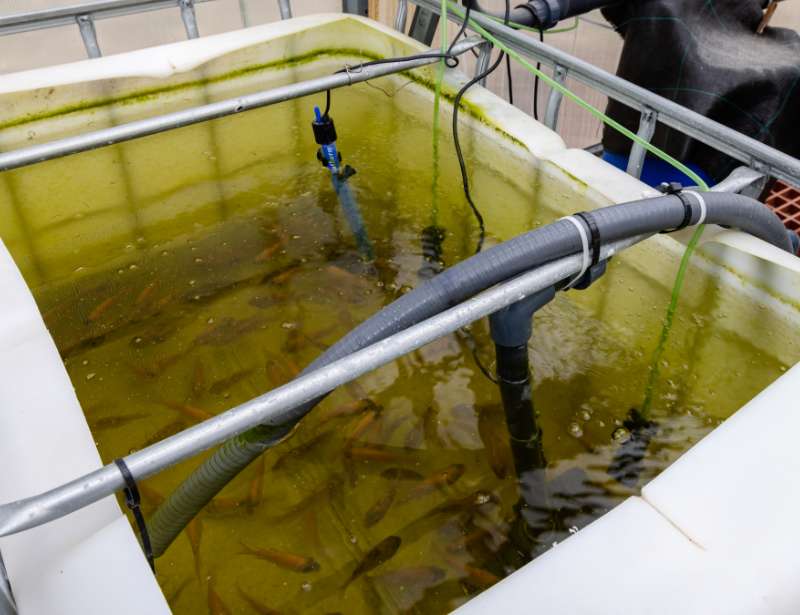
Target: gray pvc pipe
{"type": "Point", "coordinates": [452, 286]}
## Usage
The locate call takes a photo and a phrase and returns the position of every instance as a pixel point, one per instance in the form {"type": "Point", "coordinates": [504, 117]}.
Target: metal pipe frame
{"type": "Point", "coordinates": [141, 128]}
{"type": "Point", "coordinates": [741, 147]}
{"type": "Point", "coordinates": [401, 16]}
{"type": "Point", "coordinates": [64, 16]}
{"type": "Point", "coordinates": [279, 406]}
{"type": "Point", "coordinates": [285, 7]}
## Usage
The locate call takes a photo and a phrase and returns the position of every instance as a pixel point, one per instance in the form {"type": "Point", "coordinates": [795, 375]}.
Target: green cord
{"type": "Point", "coordinates": [687, 255]}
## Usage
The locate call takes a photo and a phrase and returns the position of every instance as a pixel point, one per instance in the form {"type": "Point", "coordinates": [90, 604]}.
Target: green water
{"type": "Point", "coordinates": [219, 281]}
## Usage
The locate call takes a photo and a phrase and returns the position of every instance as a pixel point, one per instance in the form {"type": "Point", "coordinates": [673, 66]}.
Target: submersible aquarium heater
{"type": "Point", "coordinates": [325, 136]}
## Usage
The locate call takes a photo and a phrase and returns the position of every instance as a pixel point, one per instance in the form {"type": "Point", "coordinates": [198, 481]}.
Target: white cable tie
{"type": "Point", "coordinates": [703, 206]}
{"type": "Point", "coordinates": [587, 257]}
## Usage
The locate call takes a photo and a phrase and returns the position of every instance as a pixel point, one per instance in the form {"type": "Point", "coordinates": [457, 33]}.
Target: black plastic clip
{"type": "Point", "coordinates": [594, 232]}
{"type": "Point", "coordinates": [676, 189]}
{"type": "Point", "coordinates": [133, 500]}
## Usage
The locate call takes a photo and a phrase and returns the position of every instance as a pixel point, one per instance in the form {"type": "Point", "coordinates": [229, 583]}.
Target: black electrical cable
{"type": "Point", "coordinates": [536, 83]}
{"type": "Point", "coordinates": [457, 141]}
{"type": "Point", "coordinates": [510, 83]}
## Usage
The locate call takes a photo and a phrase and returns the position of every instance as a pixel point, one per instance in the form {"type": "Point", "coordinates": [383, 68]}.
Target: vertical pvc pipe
{"type": "Point", "coordinates": [554, 102]}
{"type": "Point", "coordinates": [189, 18]}
{"type": "Point", "coordinates": [483, 62]}
{"type": "Point", "coordinates": [243, 13]}
{"type": "Point", "coordinates": [285, 7]}
{"type": "Point", "coordinates": [89, 35]}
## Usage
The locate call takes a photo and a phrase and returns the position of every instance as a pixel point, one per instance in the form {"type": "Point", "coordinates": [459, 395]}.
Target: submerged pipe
{"type": "Point", "coordinates": [455, 285]}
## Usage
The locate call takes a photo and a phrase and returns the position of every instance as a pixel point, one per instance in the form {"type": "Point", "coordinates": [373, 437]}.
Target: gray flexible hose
{"type": "Point", "coordinates": [452, 286]}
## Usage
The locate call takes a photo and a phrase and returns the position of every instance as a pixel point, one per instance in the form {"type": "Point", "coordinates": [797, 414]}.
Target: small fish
{"type": "Point", "coordinates": [258, 607]}
{"type": "Point", "coordinates": [227, 330]}
{"type": "Point", "coordinates": [191, 412]}
{"type": "Point", "coordinates": [473, 500]}
{"type": "Point", "coordinates": [496, 441]}
{"type": "Point", "coordinates": [112, 422]}
{"type": "Point", "coordinates": [442, 478]}
{"type": "Point", "coordinates": [194, 532]}
{"type": "Point", "coordinates": [379, 554]}
{"type": "Point", "coordinates": [363, 424]}
{"type": "Point", "coordinates": [255, 491]}
{"type": "Point", "coordinates": [289, 561]}
{"type": "Point", "coordinates": [378, 510]}
{"type": "Point", "coordinates": [222, 505]}
{"type": "Point", "coordinates": [165, 432]}
{"type": "Point", "coordinates": [282, 274]}
{"type": "Point", "coordinates": [349, 409]}
{"type": "Point", "coordinates": [156, 334]}
{"type": "Point", "coordinates": [147, 293]}
{"type": "Point", "coordinates": [374, 453]}
{"type": "Point", "coordinates": [215, 604]}
{"type": "Point", "coordinates": [476, 536]}
{"type": "Point", "coordinates": [280, 371]}
{"type": "Point", "coordinates": [479, 577]}
{"type": "Point", "coordinates": [220, 386]}
{"type": "Point", "coordinates": [400, 474]}
{"type": "Point", "coordinates": [268, 252]}
{"type": "Point", "coordinates": [102, 308]}
{"type": "Point", "coordinates": [415, 576]}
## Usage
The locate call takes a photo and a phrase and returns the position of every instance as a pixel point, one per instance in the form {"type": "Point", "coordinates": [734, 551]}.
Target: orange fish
{"type": "Point", "coordinates": [479, 577]}
{"type": "Point", "coordinates": [256, 489]}
{"type": "Point", "coordinates": [222, 504]}
{"type": "Point", "coordinates": [268, 252]}
{"type": "Point", "coordinates": [102, 308]}
{"type": "Point", "coordinates": [289, 561]}
{"type": "Point", "coordinates": [191, 412]}
{"type": "Point", "coordinates": [442, 478]}
{"type": "Point", "coordinates": [146, 294]}
{"type": "Point", "coordinates": [215, 604]}
{"type": "Point", "coordinates": [363, 424]}
{"type": "Point", "coordinates": [380, 508]}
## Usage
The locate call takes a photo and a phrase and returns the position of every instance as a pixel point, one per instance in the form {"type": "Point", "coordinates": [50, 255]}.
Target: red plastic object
{"type": "Point", "coordinates": [784, 200]}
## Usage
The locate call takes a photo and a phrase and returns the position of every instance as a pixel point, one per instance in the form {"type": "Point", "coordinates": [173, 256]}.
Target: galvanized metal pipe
{"type": "Point", "coordinates": [482, 63]}
{"type": "Point", "coordinates": [89, 36]}
{"type": "Point", "coordinates": [401, 17]}
{"type": "Point", "coordinates": [141, 128]}
{"type": "Point", "coordinates": [277, 406]}
{"type": "Point", "coordinates": [691, 123]}
{"type": "Point", "coordinates": [285, 7]}
{"type": "Point", "coordinates": [554, 101]}
{"type": "Point", "coordinates": [189, 18]}
{"type": "Point", "coordinates": [63, 16]}
{"type": "Point", "coordinates": [647, 128]}
{"type": "Point", "coordinates": [7, 604]}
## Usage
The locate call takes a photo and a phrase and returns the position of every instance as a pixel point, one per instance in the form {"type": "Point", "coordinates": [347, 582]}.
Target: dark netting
{"type": "Point", "coordinates": [706, 55]}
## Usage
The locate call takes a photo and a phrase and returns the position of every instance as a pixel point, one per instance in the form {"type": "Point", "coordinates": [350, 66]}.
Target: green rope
{"type": "Point", "coordinates": [687, 255]}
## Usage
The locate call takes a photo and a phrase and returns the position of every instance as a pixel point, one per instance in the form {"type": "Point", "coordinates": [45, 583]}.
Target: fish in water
{"type": "Point", "coordinates": [361, 427]}
{"type": "Point", "coordinates": [165, 432]}
{"type": "Point", "coordinates": [190, 412]}
{"type": "Point", "coordinates": [198, 378]}
{"type": "Point", "coordinates": [495, 437]}
{"type": "Point", "coordinates": [301, 450]}
{"type": "Point", "coordinates": [220, 386]}
{"type": "Point", "coordinates": [112, 422]}
{"type": "Point", "coordinates": [400, 474]}
{"type": "Point", "coordinates": [258, 607]}
{"type": "Point", "coordinates": [147, 293]}
{"type": "Point", "coordinates": [379, 554]}
{"type": "Point", "coordinates": [223, 504]}
{"type": "Point", "coordinates": [289, 561]}
{"type": "Point", "coordinates": [379, 509]}
{"type": "Point", "coordinates": [215, 604]}
{"type": "Point", "coordinates": [102, 308]}
{"type": "Point", "coordinates": [442, 478]}
{"type": "Point", "coordinates": [473, 500]}
{"type": "Point", "coordinates": [376, 453]}
{"type": "Point", "coordinates": [479, 577]}
{"type": "Point", "coordinates": [282, 274]}
{"type": "Point", "coordinates": [263, 302]}
{"type": "Point", "coordinates": [256, 489]}
{"type": "Point", "coordinates": [194, 532]}
{"type": "Point", "coordinates": [227, 330]}
{"type": "Point", "coordinates": [270, 251]}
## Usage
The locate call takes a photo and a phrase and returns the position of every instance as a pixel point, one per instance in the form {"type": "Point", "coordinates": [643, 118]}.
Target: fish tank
{"type": "Point", "coordinates": [184, 273]}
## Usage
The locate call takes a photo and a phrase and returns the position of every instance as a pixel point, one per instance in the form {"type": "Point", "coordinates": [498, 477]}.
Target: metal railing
{"type": "Point", "coordinates": [84, 16]}
{"type": "Point", "coordinates": [653, 108]}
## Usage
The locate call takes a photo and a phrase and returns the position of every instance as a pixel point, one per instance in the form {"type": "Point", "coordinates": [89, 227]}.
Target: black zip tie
{"type": "Point", "coordinates": [675, 189]}
{"type": "Point", "coordinates": [133, 500]}
{"type": "Point", "coordinates": [594, 232]}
